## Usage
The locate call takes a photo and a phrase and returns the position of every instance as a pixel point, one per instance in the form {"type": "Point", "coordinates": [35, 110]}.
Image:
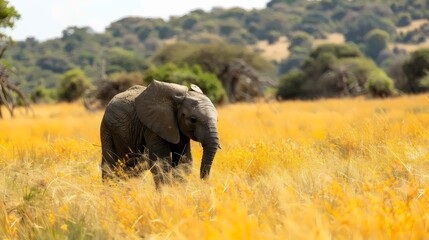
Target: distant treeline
{"type": "Point", "coordinates": [364, 65]}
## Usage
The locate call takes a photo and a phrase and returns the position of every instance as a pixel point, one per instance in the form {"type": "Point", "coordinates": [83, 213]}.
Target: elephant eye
{"type": "Point", "coordinates": [193, 120]}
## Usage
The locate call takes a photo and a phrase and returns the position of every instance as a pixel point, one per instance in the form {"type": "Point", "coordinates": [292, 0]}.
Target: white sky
{"type": "Point", "coordinates": [45, 19]}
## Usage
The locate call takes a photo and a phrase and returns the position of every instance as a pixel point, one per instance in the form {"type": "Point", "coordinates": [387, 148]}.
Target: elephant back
{"type": "Point", "coordinates": [122, 104]}
{"type": "Point", "coordinates": [128, 95]}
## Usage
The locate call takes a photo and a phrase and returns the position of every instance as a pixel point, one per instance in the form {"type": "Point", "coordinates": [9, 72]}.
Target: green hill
{"type": "Point", "coordinates": [128, 45]}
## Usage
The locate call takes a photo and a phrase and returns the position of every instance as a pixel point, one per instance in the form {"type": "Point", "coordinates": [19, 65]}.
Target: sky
{"type": "Point", "coordinates": [46, 19]}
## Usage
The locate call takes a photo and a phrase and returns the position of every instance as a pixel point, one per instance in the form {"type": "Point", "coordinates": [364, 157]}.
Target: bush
{"type": "Point", "coordinates": [300, 39]}
{"type": "Point", "coordinates": [404, 19]}
{"type": "Point", "coordinates": [290, 85]}
{"type": "Point", "coordinates": [358, 27]}
{"type": "Point", "coordinates": [73, 85]}
{"type": "Point", "coordinates": [211, 57]}
{"type": "Point", "coordinates": [54, 64]}
{"type": "Point", "coordinates": [379, 84]}
{"type": "Point", "coordinates": [376, 41]}
{"type": "Point", "coordinates": [43, 95]}
{"type": "Point", "coordinates": [415, 69]}
{"type": "Point", "coordinates": [120, 60]}
{"type": "Point", "coordinates": [335, 70]}
{"type": "Point", "coordinates": [208, 82]}
{"type": "Point", "coordinates": [294, 61]}
{"type": "Point", "coordinates": [424, 81]}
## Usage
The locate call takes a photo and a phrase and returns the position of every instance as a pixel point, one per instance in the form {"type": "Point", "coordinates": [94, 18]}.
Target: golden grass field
{"type": "Point", "coordinates": [327, 169]}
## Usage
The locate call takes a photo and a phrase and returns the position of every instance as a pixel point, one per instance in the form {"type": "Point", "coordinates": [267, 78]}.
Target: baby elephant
{"type": "Point", "coordinates": [150, 128]}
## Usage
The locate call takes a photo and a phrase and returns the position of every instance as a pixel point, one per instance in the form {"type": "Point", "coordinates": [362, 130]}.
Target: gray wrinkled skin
{"type": "Point", "coordinates": [150, 128]}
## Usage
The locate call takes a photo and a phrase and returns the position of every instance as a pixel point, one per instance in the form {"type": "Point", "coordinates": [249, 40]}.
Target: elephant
{"type": "Point", "coordinates": [152, 127]}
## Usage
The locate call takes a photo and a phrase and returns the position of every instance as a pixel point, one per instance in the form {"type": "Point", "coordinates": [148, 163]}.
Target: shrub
{"type": "Point", "coordinates": [376, 41]}
{"type": "Point", "coordinates": [424, 81]}
{"type": "Point", "coordinates": [120, 60]}
{"type": "Point", "coordinates": [211, 57]}
{"type": "Point", "coordinates": [73, 85]}
{"type": "Point", "coordinates": [379, 84]}
{"type": "Point", "coordinates": [415, 69]}
{"type": "Point", "coordinates": [43, 95]}
{"type": "Point", "coordinates": [300, 39]}
{"type": "Point", "coordinates": [290, 85]}
{"type": "Point", "coordinates": [208, 82]}
{"type": "Point", "coordinates": [404, 19]}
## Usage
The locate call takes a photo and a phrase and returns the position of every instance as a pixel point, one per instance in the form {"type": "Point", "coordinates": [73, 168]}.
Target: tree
{"type": "Point", "coordinates": [322, 58]}
{"type": "Point", "coordinates": [301, 39]}
{"type": "Point", "coordinates": [208, 82]}
{"type": "Point", "coordinates": [335, 70]}
{"type": "Point", "coordinates": [358, 27]}
{"type": "Point", "coordinates": [376, 41]}
{"type": "Point", "coordinates": [211, 57]}
{"type": "Point", "coordinates": [379, 84]}
{"type": "Point", "coordinates": [74, 37]}
{"type": "Point", "coordinates": [274, 2]}
{"type": "Point", "coordinates": [290, 85]}
{"type": "Point", "coordinates": [73, 85]}
{"type": "Point", "coordinates": [415, 69]}
{"type": "Point", "coordinates": [404, 19]}
{"type": "Point", "coordinates": [396, 72]}
{"type": "Point", "coordinates": [8, 16]}
{"type": "Point", "coordinates": [119, 60]}
{"type": "Point", "coordinates": [54, 64]}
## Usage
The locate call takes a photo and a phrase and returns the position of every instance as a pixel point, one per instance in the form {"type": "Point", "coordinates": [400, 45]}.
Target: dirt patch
{"type": "Point", "coordinates": [337, 38]}
{"type": "Point", "coordinates": [410, 47]}
{"type": "Point", "coordinates": [276, 51]}
{"type": "Point", "coordinates": [416, 24]}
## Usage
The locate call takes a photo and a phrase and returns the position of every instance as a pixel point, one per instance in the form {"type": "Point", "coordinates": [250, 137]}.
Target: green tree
{"type": "Point", "coordinates": [208, 82]}
{"type": "Point", "coordinates": [211, 57]}
{"type": "Point", "coordinates": [357, 28]}
{"type": "Point", "coordinates": [375, 42]}
{"type": "Point", "coordinates": [119, 60]}
{"type": "Point", "coordinates": [8, 16]}
{"type": "Point", "coordinates": [274, 2]}
{"type": "Point", "coordinates": [404, 19]}
{"type": "Point", "coordinates": [73, 85]}
{"type": "Point", "coordinates": [299, 48]}
{"type": "Point", "coordinates": [43, 95]}
{"type": "Point", "coordinates": [415, 69]}
{"type": "Point", "coordinates": [290, 85]}
{"type": "Point", "coordinates": [379, 84]}
{"type": "Point", "coordinates": [301, 39]}
{"type": "Point", "coordinates": [54, 64]}
{"type": "Point", "coordinates": [335, 70]}
{"type": "Point", "coordinates": [322, 58]}
{"type": "Point", "coordinates": [74, 37]}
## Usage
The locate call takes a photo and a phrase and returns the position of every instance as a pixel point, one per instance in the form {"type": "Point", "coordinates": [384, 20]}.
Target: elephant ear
{"type": "Point", "coordinates": [156, 109]}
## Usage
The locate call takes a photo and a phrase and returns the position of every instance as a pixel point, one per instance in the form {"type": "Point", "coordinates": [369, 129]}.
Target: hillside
{"type": "Point", "coordinates": [130, 44]}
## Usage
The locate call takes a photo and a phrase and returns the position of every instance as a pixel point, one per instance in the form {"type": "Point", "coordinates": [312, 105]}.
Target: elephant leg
{"type": "Point", "coordinates": [109, 158]}
{"type": "Point", "coordinates": [181, 159]}
{"type": "Point", "coordinates": [136, 163]}
{"type": "Point", "coordinates": [160, 159]}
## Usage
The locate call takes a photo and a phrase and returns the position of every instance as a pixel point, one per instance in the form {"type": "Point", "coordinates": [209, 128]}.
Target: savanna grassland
{"type": "Point", "coordinates": [328, 169]}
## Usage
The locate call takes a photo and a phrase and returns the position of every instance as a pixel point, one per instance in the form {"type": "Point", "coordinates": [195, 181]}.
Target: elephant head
{"type": "Point", "coordinates": [170, 109]}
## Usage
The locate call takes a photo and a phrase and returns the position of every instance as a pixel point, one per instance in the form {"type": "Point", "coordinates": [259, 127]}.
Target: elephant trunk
{"type": "Point", "coordinates": [210, 145]}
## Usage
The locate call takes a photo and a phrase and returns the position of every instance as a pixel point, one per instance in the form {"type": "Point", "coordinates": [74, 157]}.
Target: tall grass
{"type": "Point", "coordinates": [343, 169]}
